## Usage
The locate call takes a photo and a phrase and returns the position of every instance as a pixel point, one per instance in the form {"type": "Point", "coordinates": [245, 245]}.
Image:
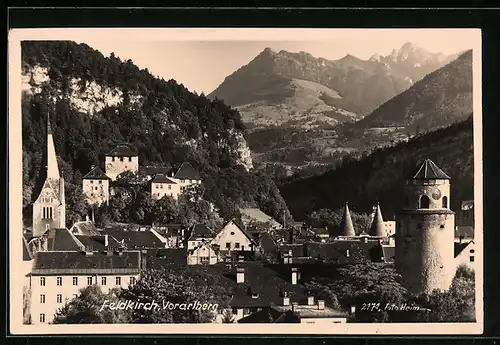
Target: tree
{"type": "Point", "coordinates": [179, 287]}
{"type": "Point", "coordinates": [26, 305]}
{"type": "Point", "coordinates": [88, 308]}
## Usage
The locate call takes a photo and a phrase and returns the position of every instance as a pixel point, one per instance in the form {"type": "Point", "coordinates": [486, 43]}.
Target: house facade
{"type": "Point", "coordinates": [95, 187]}
{"type": "Point", "coordinates": [121, 159]}
{"type": "Point", "coordinates": [161, 186]}
{"type": "Point", "coordinates": [231, 237]}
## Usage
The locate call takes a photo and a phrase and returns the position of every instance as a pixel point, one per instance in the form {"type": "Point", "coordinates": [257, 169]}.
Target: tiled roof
{"type": "Point", "coordinates": [77, 261]}
{"type": "Point", "coordinates": [200, 231]}
{"type": "Point", "coordinates": [271, 315]}
{"type": "Point", "coordinates": [161, 178]}
{"type": "Point", "coordinates": [428, 170]}
{"type": "Point", "coordinates": [464, 231]}
{"type": "Point", "coordinates": [187, 172]}
{"type": "Point", "coordinates": [459, 247]}
{"type": "Point", "coordinates": [122, 150]}
{"type": "Point", "coordinates": [258, 215]}
{"type": "Point", "coordinates": [97, 243]}
{"type": "Point", "coordinates": [136, 239]}
{"type": "Point", "coordinates": [166, 258]}
{"type": "Point", "coordinates": [296, 249]}
{"type": "Point", "coordinates": [346, 227]}
{"type": "Point", "coordinates": [87, 228]}
{"type": "Point", "coordinates": [96, 174]}
{"type": "Point", "coordinates": [26, 251]}
{"type": "Point", "coordinates": [377, 228]}
{"type": "Point", "coordinates": [62, 240]}
{"type": "Point", "coordinates": [336, 252]}
{"type": "Point", "coordinates": [268, 244]}
{"type": "Point", "coordinates": [151, 170]}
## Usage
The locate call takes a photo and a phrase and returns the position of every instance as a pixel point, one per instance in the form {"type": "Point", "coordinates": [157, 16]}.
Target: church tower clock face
{"type": "Point", "coordinates": [436, 194]}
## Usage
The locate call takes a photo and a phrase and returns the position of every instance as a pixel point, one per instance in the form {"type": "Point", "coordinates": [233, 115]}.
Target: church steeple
{"type": "Point", "coordinates": [377, 227]}
{"type": "Point", "coordinates": [346, 227]}
{"type": "Point", "coordinates": [52, 168]}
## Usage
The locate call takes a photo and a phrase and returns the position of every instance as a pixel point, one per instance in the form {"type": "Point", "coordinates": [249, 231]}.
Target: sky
{"type": "Point", "coordinates": [202, 60]}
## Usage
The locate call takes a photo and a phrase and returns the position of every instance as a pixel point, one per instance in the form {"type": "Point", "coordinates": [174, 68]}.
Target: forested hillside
{"type": "Point", "coordinates": [381, 175]}
{"type": "Point", "coordinates": [96, 102]}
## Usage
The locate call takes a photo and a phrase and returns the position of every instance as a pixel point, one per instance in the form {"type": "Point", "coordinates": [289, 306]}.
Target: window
{"type": "Point", "coordinates": [59, 298]}
{"type": "Point", "coordinates": [424, 201]}
{"type": "Point", "coordinates": [42, 299]}
{"type": "Point", "coordinates": [91, 182]}
{"type": "Point", "coordinates": [132, 281]}
{"type": "Point", "coordinates": [471, 258]}
{"type": "Point", "coordinates": [112, 159]}
{"type": "Point", "coordinates": [89, 280]}
{"type": "Point", "coordinates": [42, 317]}
{"type": "Point", "coordinates": [75, 280]}
{"type": "Point", "coordinates": [242, 247]}
{"type": "Point", "coordinates": [59, 281]}
{"type": "Point", "coordinates": [237, 245]}
{"type": "Point", "coordinates": [42, 281]}
{"type": "Point", "coordinates": [75, 295]}
{"type": "Point", "coordinates": [130, 159]}
{"type": "Point", "coordinates": [121, 159]}
{"type": "Point", "coordinates": [100, 182]}
{"type": "Point", "coordinates": [103, 280]}
{"type": "Point", "coordinates": [91, 194]}
{"type": "Point", "coordinates": [232, 232]}
{"type": "Point", "coordinates": [204, 259]}
{"type": "Point", "coordinates": [118, 281]}
{"type": "Point", "coordinates": [472, 251]}
{"type": "Point", "coordinates": [445, 202]}
{"type": "Point", "coordinates": [228, 245]}
{"type": "Point", "coordinates": [169, 187]}
{"type": "Point", "coordinates": [441, 226]}
{"type": "Point", "coordinates": [161, 186]}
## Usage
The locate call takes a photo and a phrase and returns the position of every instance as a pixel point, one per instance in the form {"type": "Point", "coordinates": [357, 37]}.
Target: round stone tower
{"type": "Point", "coordinates": [425, 231]}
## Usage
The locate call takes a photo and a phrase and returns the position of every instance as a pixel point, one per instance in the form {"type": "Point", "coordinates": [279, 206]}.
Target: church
{"type": "Point", "coordinates": [49, 209]}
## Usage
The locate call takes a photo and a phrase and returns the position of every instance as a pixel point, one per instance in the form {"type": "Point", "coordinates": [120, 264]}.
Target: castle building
{"type": "Point", "coordinates": [95, 186]}
{"type": "Point", "coordinates": [377, 229]}
{"type": "Point", "coordinates": [122, 158]}
{"type": "Point", "coordinates": [425, 232]}
{"type": "Point", "coordinates": [49, 209]}
{"type": "Point", "coordinates": [346, 226]}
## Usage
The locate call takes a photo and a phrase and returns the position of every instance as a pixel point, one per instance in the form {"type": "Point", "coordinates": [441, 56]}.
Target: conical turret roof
{"type": "Point", "coordinates": [346, 227]}
{"type": "Point", "coordinates": [428, 170]}
{"type": "Point", "coordinates": [377, 227]}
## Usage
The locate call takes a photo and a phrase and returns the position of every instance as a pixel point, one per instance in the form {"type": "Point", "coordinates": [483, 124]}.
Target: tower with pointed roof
{"type": "Point", "coordinates": [425, 231]}
{"type": "Point", "coordinates": [377, 228]}
{"type": "Point", "coordinates": [346, 226]}
{"type": "Point", "coordinates": [49, 209]}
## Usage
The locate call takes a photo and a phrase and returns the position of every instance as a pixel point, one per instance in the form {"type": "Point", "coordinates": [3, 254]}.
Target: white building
{"type": "Point", "coordinates": [465, 254]}
{"type": "Point", "coordinates": [163, 186]}
{"type": "Point", "coordinates": [95, 187]}
{"type": "Point", "coordinates": [185, 176]}
{"type": "Point", "coordinates": [231, 237]}
{"type": "Point", "coordinates": [122, 158]}
{"type": "Point", "coordinates": [57, 277]}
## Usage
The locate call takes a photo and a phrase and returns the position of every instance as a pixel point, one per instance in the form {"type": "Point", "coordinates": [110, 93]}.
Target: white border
{"type": "Point", "coordinates": [15, 184]}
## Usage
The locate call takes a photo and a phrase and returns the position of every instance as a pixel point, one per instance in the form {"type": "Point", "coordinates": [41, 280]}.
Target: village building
{"type": "Point", "coordinates": [232, 238]}
{"type": "Point", "coordinates": [58, 276]}
{"type": "Point", "coordinates": [121, 159]}
{"type": "Point", "coordinates": [161, 186]}
{"type": "Point", "coordinates": [465, 254]}
{"type": "Point", "coordinates": [95, 187]}
{"type": "Point", "coordinates": [185, 176]}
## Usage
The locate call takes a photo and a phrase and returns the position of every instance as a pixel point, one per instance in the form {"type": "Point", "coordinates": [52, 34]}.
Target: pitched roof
{"type": "Point", "coordinates": [337, 252]}
{"type": "Point", "coordinates": [62, 240]}
{"type": "Point", "coordinates": [95, 174]}
{"type": "Point", "coordinates": [187, 172]}
{"type": "Point", "coordinates": [136, 239]}
{"type": "Point", "coordinates": [256, 214]}
{"type": "Point", "coordinates": [87, 228]}
{"type": "Point", "coordinates": [428, 170]}
{"type": "Point", "coordinates": [97, 243]}
{"type": "Point", "coordinates": [79, 262]}
{"type": "Point", "coordinates": [122, 150]}
{"type": "Point", "coordinates": [459, 247]}
{"type": "Point", "coordinates": [346, 227]}
{"type": "Point", "coordinates": [161, 178]}
{"type": "Point", "coordinates": [267, 244]}
{"type": "Point", "coordinates": [151, 170]}
{"type": "Point", "coordinates": [377, 227]}
{"type": "Point", "coordinates": [166, 258]}
{"type": "Point", "coordinates": [201, 231]}
{"type": "Point", "coordinates": [27, 256]}
{"type": "Point", "coordinates": [464, 231]}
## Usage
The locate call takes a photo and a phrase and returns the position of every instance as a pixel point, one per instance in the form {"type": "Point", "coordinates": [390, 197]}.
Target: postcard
{"type": "Point", "coordinates": [218, 181]}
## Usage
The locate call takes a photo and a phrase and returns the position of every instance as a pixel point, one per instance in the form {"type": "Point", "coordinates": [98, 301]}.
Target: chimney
{"type": "Point", "coordinates": [87, 218]}
{"type": "Point", "coordinates": [347, 253]}
{"type": "Point", "coordinates": [353, 310]}
{"type": "Point", "coordinates": [106, 242]}
{"type": "Point", "coordinates": [365, 239]}
{"type": "Point", "coordinates": [109, 252]}
{"type": "Point", "coordinates": [294, 305]}
{"type": "Point", "coordinates": [294, 275]}
{"type": "Point", "coordinates": [310, 300]}
{"type": "Point", "coordinates": [240, 275]}
{"type": "Point", "coordinates": [286, 301]}
{"type": "Point", "coordinates": [321, 304]}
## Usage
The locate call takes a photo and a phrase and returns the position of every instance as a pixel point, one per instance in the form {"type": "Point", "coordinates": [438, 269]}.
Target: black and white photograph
{"type": "Point", "coordinates": [211, 181]}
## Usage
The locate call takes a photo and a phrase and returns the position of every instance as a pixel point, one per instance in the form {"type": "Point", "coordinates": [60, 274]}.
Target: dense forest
{"type": "Point", "coordinates": [380, 176]}
{"type": "Point", "coordinates": [165, 122]}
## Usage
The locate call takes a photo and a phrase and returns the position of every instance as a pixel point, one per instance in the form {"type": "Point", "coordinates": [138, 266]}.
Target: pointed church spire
{"type": "Point", "coordinates": [377, 227]}
{"type": "Point", "coordinates": [346, 227]}
{"type": "Point", "coordinates": [52, 168]}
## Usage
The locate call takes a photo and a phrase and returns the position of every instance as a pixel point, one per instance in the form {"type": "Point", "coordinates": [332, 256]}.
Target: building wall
{"type": "Point", "coordinates": [233, 236]}
{"type": "Point", "coordinates": [467, 256]}
{"type": "Point", "coordinates": [203, 256]}
{"type": "Point", "coordinates": [67, 290]}
{"type": "Point", "coordinates": [425, 238]}
{"type": "Point", "coordinates": [96, 191]}
{"type": "Point", "coordinates": [183, 184]}
{"type": "Point", "coordinates": [390, 227]}
{"type": "Point", "coordinates": [159, 190]}
{"type": "Point", "coordinates": [117, 165]}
